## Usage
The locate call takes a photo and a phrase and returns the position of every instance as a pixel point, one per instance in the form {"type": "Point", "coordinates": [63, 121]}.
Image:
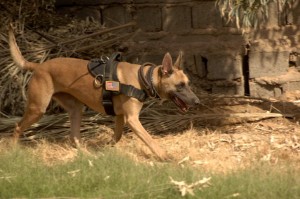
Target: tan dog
{"type": "Point", "coordinates": [69, 83]}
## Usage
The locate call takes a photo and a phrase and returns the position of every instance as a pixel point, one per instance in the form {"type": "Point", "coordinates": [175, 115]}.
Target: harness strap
{"type": "Point", "coordinates": [110, 73]}
{"type": "Point", "coordinates": [131, 91]}
{"type": "Point", "coordinates": [107, 103]}
{"type": "Point", "coordinates": [111, 67]}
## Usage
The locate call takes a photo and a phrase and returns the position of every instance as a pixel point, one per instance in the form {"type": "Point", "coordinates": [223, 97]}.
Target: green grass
{"type": "Point", "coordinates": [113, 175]}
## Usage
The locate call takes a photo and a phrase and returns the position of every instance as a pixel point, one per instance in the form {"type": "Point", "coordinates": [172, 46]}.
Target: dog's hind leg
{"type": "Point", "coordinates": [74, 108]}
{"type": "Point", "coordinates": [39, 96]}
{"type": "Point", "coordinates": [32, 114]}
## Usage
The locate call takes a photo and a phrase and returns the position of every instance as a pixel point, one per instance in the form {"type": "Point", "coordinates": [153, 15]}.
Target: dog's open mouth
{"type": "Point", "coordinates": [179, 102]}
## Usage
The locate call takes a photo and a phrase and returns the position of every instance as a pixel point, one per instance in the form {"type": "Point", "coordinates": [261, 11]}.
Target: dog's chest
{"type": "Point", "coordinates": [104, 71]}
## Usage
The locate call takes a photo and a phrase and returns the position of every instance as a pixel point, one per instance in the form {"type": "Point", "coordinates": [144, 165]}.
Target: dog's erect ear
{"type": "Point", "coordinates": [167, 65]}
{"type": "Point", "coordinates": [178, 62]}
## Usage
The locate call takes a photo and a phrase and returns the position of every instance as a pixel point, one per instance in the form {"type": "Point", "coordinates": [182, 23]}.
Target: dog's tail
{"type": "Point", "coordinates": [16, 53]}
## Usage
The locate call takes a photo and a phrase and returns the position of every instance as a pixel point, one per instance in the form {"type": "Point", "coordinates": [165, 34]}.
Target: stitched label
{"type": "Point", "coordinates": [112, 86]}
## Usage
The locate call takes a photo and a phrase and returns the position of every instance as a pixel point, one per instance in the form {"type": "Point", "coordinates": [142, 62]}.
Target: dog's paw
{"type": "Point", "coordinates": [164, 157]}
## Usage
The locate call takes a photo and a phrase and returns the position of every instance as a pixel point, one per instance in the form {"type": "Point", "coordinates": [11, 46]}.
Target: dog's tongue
{"type": "Point", "coordinates": [183, 107]}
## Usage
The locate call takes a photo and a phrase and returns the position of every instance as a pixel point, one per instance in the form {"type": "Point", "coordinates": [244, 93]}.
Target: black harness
{"type": "Point", "coordinates": [105, 72]}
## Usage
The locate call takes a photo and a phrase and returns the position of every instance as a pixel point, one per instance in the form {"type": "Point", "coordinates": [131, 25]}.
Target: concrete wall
{"type": "Point", "coordinates": [218, 57]}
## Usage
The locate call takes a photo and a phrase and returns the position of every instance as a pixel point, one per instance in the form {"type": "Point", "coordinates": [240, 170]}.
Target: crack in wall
{"type": "Point", "coordinates": [245, 70]}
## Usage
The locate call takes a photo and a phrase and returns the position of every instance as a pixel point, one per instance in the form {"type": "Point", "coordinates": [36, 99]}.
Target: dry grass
{"type": "Point", "coordinates": [219, 149]}
{"type": "Point", "coordinates": [54, 153]}
{"type": "Point", "coordinates": [227, 148]}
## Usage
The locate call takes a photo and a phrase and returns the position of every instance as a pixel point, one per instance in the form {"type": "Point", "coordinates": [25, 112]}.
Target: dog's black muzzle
{"type": "Point", "coordinates": [184, 99]}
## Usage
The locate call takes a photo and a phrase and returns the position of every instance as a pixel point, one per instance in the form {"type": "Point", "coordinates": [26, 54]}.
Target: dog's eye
{"type": "Point", "coordinates": [180, 86]}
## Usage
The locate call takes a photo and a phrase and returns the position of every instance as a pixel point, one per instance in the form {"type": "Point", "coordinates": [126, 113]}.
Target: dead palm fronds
{"type": "Point", "coordinates": [156, 118]}
{"type": "Point", "coordinates": [248, 13]}
{"type": "Point", "coordinates": [43, 34]}
{"type": "Point", "coordinates": [38, 48]}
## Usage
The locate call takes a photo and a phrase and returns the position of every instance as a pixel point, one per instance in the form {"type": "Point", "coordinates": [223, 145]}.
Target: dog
{"type": "Point", "coordinates": [68, 82]}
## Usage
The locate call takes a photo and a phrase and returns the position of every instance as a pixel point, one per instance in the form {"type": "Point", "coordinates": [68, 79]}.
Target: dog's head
{"type": "Point", "coordinates": [174, 84]}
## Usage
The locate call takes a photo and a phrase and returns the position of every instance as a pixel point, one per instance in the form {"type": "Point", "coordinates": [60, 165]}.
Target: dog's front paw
{"type": "Point", "coordinates": [163, 156]}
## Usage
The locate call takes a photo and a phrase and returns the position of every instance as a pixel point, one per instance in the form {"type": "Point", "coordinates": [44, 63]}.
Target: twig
{"type": "Point", "coordinates": [60, 44]}
{"type": "Point", "coordinates": [99, 33]}
{"type": "Point", "coordinates": [104, 43]}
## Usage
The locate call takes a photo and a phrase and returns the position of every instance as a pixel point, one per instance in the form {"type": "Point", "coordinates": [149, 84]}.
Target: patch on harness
{"type": "Point", "coordinates": [112, 86]}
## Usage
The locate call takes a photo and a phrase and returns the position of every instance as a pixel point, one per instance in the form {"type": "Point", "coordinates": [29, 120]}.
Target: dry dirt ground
{"type": "Point", "coordinates": [227, 144]}
{"type": "Point", "coordinates": [227, 148]}
{"type": "Point", "coordinates": [222, 145]}
{"type": "Point", "coordinates": [217, 145]}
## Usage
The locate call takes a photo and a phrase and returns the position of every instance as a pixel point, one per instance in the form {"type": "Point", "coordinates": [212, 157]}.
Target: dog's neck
{"type": "Point", "coordinates": [157, 76]}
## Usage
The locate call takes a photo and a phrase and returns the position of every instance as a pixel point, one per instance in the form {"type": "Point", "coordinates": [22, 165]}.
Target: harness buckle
{"type": "Point", "coordinates": [98, 81]}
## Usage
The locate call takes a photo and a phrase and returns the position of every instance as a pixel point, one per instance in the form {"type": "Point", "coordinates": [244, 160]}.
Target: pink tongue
{"type": "Point", "coordinates": [179, 103]}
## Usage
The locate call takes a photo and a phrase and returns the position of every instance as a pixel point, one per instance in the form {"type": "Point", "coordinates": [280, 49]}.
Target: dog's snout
{"type": "Point", "coordinates": [197, 101]}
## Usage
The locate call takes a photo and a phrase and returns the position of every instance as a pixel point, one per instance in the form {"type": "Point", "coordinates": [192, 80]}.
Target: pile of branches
{"type": "Point", "coordinates": [62, 37]}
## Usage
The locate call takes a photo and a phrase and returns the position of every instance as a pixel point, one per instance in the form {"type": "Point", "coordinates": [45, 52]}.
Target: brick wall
{"type": "Point", "coordinates": [218, 57]}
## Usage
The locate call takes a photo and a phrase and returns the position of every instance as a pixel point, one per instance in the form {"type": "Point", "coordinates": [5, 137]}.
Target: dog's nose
{"type": "Point", "coordinates": [196, 101]}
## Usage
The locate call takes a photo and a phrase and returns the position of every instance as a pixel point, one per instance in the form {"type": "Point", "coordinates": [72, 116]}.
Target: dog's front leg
{"type": "Point", "coordinates": [75, 120]}
{"type": "Point", "coordinates": [136, 126]}
{"type": "Point", "coordinates": [119, 124]}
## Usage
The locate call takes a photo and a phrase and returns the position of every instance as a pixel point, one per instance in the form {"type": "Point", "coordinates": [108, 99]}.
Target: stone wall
{"type": "Point", "coordinates": [274, 54]}
{"type": "Point", "coordinates": [218, 57]}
